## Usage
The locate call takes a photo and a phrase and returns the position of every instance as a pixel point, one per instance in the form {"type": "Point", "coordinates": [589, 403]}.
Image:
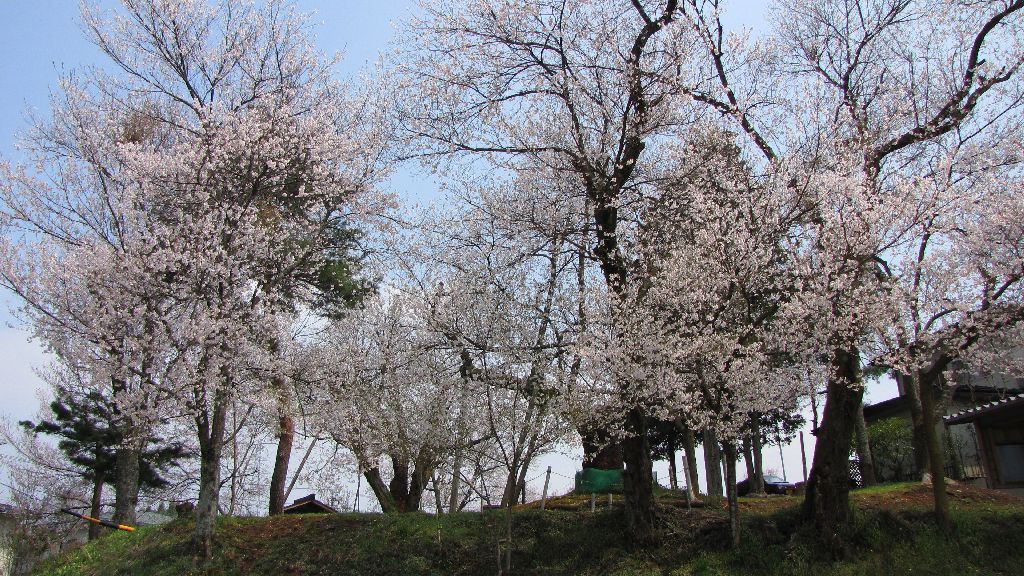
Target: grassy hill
{"type": "Point", "coordinates": [892, 535]}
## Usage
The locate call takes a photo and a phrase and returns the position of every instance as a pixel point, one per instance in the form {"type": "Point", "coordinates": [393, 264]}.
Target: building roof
{"type": "Point", "coordinates": [990, 410]}
{"type": "Point", "coordinates": [309, 505]}
{"type": "Point", "coordinates": [977, 394]}
{"type": "Point", "coordinates": [885, 409]}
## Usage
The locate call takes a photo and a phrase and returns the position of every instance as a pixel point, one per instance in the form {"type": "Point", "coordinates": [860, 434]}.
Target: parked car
{"type": "Point", "coordinates": [772, 485]}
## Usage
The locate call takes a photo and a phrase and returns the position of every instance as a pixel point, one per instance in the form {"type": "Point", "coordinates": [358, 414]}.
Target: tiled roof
{"type": "Point", "coordinates": [969, 413]}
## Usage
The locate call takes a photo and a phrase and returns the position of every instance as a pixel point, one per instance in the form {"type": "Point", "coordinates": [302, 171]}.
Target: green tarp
{"type": "Point", "coordinates": [596, 481]}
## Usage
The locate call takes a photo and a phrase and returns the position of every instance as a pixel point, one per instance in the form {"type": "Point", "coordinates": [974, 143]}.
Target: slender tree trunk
{"type": "Point", "coordinates": [690, 450]}
{"type": "Point", "coordinates": [438, 506]}
{"type": "Point", "coordinates": [827, 498]}
{"type": "Point", "coordinates": [126, 486]}
{"type": "Point", "coordinates": [748, 461]}
{"type": "Point", "coordinates": [638, 481]}
{"type": "Point", "coordinates": [672, 471]}
{"type": "Point", "coordinates": [929, 380]}
{"type": "Point", "coordinates": [919, 439]}
{"type": "Point", "coordinates": [279, 478]}
{"type": "Point", "coordinates": [733, 495]}
{"type": "Point", "coordinates": [96, 505]}
{"type": "Point", "coordinates": [211, 425]}
{"type": "Point", "coordinates": [864, 456]}
{"type": "Point", "coordinates": [713, 465]}
{"type": "Point", "coordinates": [453, 496]}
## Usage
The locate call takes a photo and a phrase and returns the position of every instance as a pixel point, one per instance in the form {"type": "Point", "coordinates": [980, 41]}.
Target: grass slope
{"type": "Point", "coordinates": [892, 534]}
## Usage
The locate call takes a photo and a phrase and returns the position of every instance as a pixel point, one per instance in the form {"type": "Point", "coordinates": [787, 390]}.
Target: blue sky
{"type": "Point", "coordinates": [41, 39]}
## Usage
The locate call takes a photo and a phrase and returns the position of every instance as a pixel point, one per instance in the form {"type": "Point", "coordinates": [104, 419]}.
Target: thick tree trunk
{"type": "Point", "coordinates": [380, 490]}
{"type": "Point", "coordinates": [399, 485]}
{"type": "Point", "coordinates": [211, 445]}
{"type": "Point", "coordinates": [407, 486]}
{"type": "Point", "coordinates": [279, 478]}
{"type": "Point", "coordinates": [731, 490]}
{"type": "Point", "coordinates": [919, 439]}
{"type": "Point", "coordinates": [827, 498]}
{"type": "Point", "coordinates": [96, 505]}
{"type": "Point", "coordinates": [713, 465]}
{"type": "Point", "coordinates": [601, 450]}
{"type": "Point", "coordinates": [638, 481]}
{"type": "Point", "coordinates": [417, 485]}
{"type": "Point", "coordinates": [511, 490]}
{"type": "Point", "coordinates": [126, 482]}
{"type": "Point", "coordinates": [929, 381]}
{"type": "Point", "coordinates": [758, 449]}
{"type": "Point", "coordinates": [864, 457]}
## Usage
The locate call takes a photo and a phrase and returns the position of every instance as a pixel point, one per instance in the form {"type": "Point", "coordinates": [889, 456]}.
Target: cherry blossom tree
{"type": "Point", "coordinates": [885, 83]}
{"type": "Point", "coordinates": [215, 214]}
{"type": "Point", "coordinates": [582, 89]}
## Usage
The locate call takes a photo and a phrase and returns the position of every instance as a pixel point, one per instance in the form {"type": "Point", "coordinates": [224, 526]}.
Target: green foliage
{"type": "Point", "coordinates": [892, 447]}
{"type": "Point", "coordinates": [87, 425]}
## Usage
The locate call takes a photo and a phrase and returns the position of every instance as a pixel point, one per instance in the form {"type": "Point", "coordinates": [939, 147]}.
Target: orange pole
{"type": "Point", "coordinates": [98, 521]}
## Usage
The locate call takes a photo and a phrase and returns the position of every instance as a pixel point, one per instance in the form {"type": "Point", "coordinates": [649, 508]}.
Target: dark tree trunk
{"type": "Point", "coordinates": [211, 426]}
{"type": "Point", "coordinates": [96, 505]}
{"type": "Point", "coordinates": [919, 440]}
{"type": "Point", "coordinates": [406, 487]}
{"type": "Point", "coordinates": [748, 461]}
{"type": "Point", "coordinates": [733, 495]}
{"type": "Point", "coordinates": [417, 485]}
{"type": "Point", "coordinates": [929, 381]}
{"type": "Point", "coordinates": [279, 478]}
{"type": "Point", "coordinates": [601, 450]}
{"type": "Point", "coordinates": [827, 498]}
{"type": "Point", "coordinates": [380, 490]}
{"type": "Point", "coordinates": [638, 481]}
{"type": "Point", "coordinates": [126, 482]}
{"type": "Point", "coordinates": [512, 481]}
{"type": "Point", "coordinates": [864, 457]}
{"type": "Point", "coordinates": [713, 465]}
{"type": "Point", "coordinates": [673, 481]}
{"type": "Point", "coordinates": [758, 449]}
{"type": "Point", "coordinates": [399, 485]}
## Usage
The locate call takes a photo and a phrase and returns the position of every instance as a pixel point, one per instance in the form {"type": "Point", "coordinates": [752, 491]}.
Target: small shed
{"type": "Point", "coordinates": [309, 505]}
{"type": "Point", "coordinates": [1000, 431]}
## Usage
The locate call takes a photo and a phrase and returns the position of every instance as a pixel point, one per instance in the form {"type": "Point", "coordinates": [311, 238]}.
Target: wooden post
{"type": "Point", "coordinates": [609, 500]}
{"type": "Point", "coordinates": [359, 483]}
{"type": "Point", "coordinates": [544, 494]}
{"type": "Point", "coordinates": [593, 502]}
{"type": "Point", "coordinates": [783, 461]}
{"type": "Point", "coordinates": [803, 455]}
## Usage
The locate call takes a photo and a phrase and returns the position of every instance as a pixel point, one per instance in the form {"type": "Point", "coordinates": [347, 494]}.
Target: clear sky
{"type": "Point", "coordinates": [41, 39]}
